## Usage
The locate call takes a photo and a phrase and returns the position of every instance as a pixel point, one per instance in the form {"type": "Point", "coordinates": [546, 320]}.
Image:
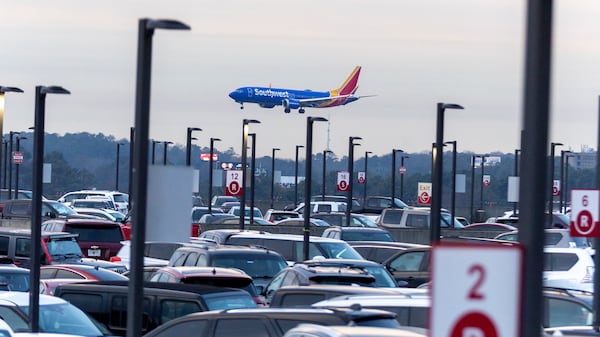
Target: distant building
{"type": "Point", "coordinates": [289, 181]}
{"type": "Point", "coordinates": [583, 160]}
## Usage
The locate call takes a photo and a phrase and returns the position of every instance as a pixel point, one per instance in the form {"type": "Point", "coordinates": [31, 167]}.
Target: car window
{"type": "Point", "coordinates": [567, 313]}
{"type": "Point", "coordinates": [392, 216]}
{"type": "Point", "coordinates": [313, 251]}
{"type": "Point", "coordinates": [255, 265]}
{"type": "Point", "coordinates": [186, 328]}
{"type": "Point", "coordinates": [23, 247]}
{"type": "Point", "coordinates": [246, 327]}
{"type": "Point", "coordinates": [13, 319]}
{"type": "Point", "coordinates": [96, 233]}
{"type": "Point", "coordinates": [300, 300]}
{"type": "Point", "coordinates": [410, 261]}
{"type": "Point", "coordinates": [417, 220]}
{"type": "Point", "coordinates": [23, 208]}
{"type": "Point", "coordinates": [171, 309]}
{"type": "Point", "coordinates": [559, 261]}
{"type": "Point", "coordinates": [233, 300]}
{"type": "Point", "coordinates": [68, 274]}
{"type": "Point", "coordinates": [338, 250]}
{"type": "Point", "coordinates": [4, 245]}
{"type": "Point", "coordinates": [191, 259]}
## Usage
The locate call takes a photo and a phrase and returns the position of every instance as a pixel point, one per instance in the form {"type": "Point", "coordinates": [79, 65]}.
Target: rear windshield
{"type": "Point", "coordinates": [255, 265]}
{"type": "Point", "coordinates": [119, 198]}
{"type": "Point", "coordinates": [96, 233]}
{"type": "Point", "coordinates": [339, 250]}
{"type": "Point", "coordinates": [63, 248]}
{"type": "Point", "coordinates": [222, 301]}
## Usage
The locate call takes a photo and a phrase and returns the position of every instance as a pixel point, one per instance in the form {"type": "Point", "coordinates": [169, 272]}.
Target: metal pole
{"type": "Point", "coordinates": [252, 178]}
{"type": "Point", "coordinates": [244, 169]}
{"type": "Point", "coordinates": [436, 193]}
{"type": "Point", "coordinates": [5, 164]}
{"type": "Point", "coordinates": [273, 177]}
{"type": "Point", "coordinates": [596, 301]}
{"type": "Point", "coordinates": [166, 144]}
{"type": "Point", "coordinates": [393, 177]}
{"type": "Point", "coordinates": [481, 182]}
{"type": "Point", "coordinates": [324, 173]}
{"type": "Point", "coordinates": [402, 177]}
{"type": "Point", "coordinates": [551, 183]}
{"type": "Point", "coordinates": [453, 197]}
{"type": "Point", "coordinates": [153, 150]}
{"type": "Point", "coordinates": [10, 162]}
{"type": "Point", "coordinates": [308, 182]}
{"type": "Point", "coordinates": [130, 182]}
{"type": "Point", "coordinates": [351, 177]}
{"type": "Point", "coordinates": [117, 167]}
{"type": "Point", "coordinates": [210, 172]}
{"type": "Point", "coordinates": [17, 169]}
{"type": "Point", "coordinates": [296, 179]}
{"type": "Point", "coordinates": [3, 91]}
{"type": "Point", "coordinates": [188, 145]}
{"type": "Point", "coordinates": [366, 176]}
{"type": "Point", "coordinates": [515, 204]}
{"type": "Point", "coordinates": [472, 213]}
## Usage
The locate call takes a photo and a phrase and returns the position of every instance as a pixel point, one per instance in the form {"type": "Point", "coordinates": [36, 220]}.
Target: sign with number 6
{"type": "Point", "coordinates": [465, 298]}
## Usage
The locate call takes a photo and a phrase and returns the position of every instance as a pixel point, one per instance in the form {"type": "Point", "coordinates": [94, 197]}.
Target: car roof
{"type": "Point", "coordinates": [391, 300]}
{"type": "Point", "coordinates": [22, 298]}
{"type": "Point", "coordinates": [290, 237]}
{"type": "Point", "coordinates": [193, 271]}
{"type": "Point", "coordinates": [340, 262]}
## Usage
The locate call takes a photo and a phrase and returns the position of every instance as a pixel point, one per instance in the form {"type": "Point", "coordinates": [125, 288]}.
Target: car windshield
{"type": "Point", "coordinates": [65, 318]}
{"type": "Point", "coordinates": [17, 280]}
{"type": "Point", "coordinates": [339, 250]}
{"type": "Point", "coordinates": [365, 221]}
{"type": "Point", "coordinates": [383, 279]}
{"type": "Point", "coordinates": [230, 301]}
{"type": "Point", "coordinates": [447, 219]}
{"type": "Point", "coordinates": [255, 265]}
{"type": "Point", "coordinates": [61, 208]}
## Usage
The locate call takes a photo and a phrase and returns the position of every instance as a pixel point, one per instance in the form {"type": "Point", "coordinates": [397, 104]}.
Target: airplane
{"type": "Point", "coordinates": [267, 97]}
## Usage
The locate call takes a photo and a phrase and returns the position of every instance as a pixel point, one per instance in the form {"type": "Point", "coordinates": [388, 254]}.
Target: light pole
{"type": "Point", "coordinates": [551, 182]}
{"type": "Point", "coordinates": [308, 181]}
{"type": "Point", "coordinates": [5, 161]}
{"type": "Point", "coordinates": [516, 173]}
{"type": "Point", "coordinates": [36, 202]}
{"type": "Point", "coordinates": [188, 145]}
{"type": "Point", "coordinates": [393, 205]}
{"type": "Point", "coordinates": [166, 144]}
{"type": "Point", "coordinates": [273, 176]}
{"type": "Point", "coordinates": [130, 180]}
{"type": "Point", "coordinates": [366, 176]}
{"type": "Point", "coordinates": [210, 172]}
{"type": "Point", "coordinates": [11, 137]}
{"type": "Point", "coordinates": [563, 155]}
{"type": "Point", "coordinates": [17, 168]}
{"type": "Point", "coordinates": [117, 166]}
{"type": "Point", "coordinates": [146, 28]}
{"type": "Point", "coordinates": [567, 195]}
{"type": "Point", "coordinates": [298, 147]}
{"type": "Point", "coordinates": [351, 145]}
{"type": "Point", "coordinates": [252, 177]}
{"type": "Point", "coordinates": [245, 124]}
{"type": "Point", "coordinates": [436, 198]}
{"type": "Point", "coordinates": [482, 184]}
{"type": "Point", "coordinates": [453, 197]}
{"type": "Point", "coordinates": [3, 91]}
{"type": "Point", "coordinates": [325, 152]}
{"type": "Point", "coordinates": [472, 219]}
{"type": "Point", "coordinates": [402, 172]}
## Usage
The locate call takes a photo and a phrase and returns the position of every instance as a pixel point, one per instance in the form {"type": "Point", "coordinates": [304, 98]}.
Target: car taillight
{"type": "Point", "coordinates": [195, 230]}
{"type": "Point", "coordinates": [115, 259]}
{"type": "Point", "coordinates": [589, 275]}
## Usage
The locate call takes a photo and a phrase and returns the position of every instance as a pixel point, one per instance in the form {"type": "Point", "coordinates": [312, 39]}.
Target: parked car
{"type": "Point", "coordinates": [413, 217]}
{"type": "Point", "coordinates": [103, 203]}
{"type": "Point", "coordinates": [99, 239]}
{"type": "Point", "coordinates": [120, 200]}
{"type": "Point", "coordinates": [212, 276]}
{"type": "Point", "coordinates": [299, 222]}
{"type": "Point", "coordinates": [13, 278]}
{"type": "Point", "coordinates": [107, 301]}
{"type": "Point", "coordinates": [210, 218]}
{"type": "Point", "coordinates": [316, 330]}
{"type": "Point", "coordinates": [411, 266]}
{"type": "Point", "coordinates": [226, 206]}
{"type": "Point", "coordinates": [564, 308]}
{"type": "Point", "coordinates": [553, 237]}
{"type": "Point", "coordinates": [339, 219]}
{"type": "Point", "coordinates": [274, 216]}
{"type": "Point", "coordinates": [305, 296]}
{"type": "Point", "coordinates": [54, 275]}
{"type": "Point", "coordinates": [322, 207]}
{"type": "Point", "coordinates": [409, 310]}
{"type": "Point", "coordinates": [256, 213]}
{"type": "Point", "coordinates": [235, 220]}
{"type": "Point", "coordinates": [376, 204]}
{"type": "Point", "coordinates": [358, 234]}
{"type": "Point", "coordinates": [490, 226]}
{"type": "Point", "coordinates": [271, 322]}
{"type": "Point", "coordinates": [260, 263]}
{"type": "Point", "coordinates": [156, 253]}
{"type": "Point", "coordinates": [218, 200]}
{"type": "Point", "coordinates": [101, 213]}
{"type": "Point", "coordinates": [21, 194]}
{"type": "Point", "coordinates": [197, 213]}
{"type": "Point", "coordinates": [380, 251]}
{"type": "Point", "coordinates": [21, 209]}
{"type": "Point", "coordinates": [291, 246]}
{"type": "Point", "coordinates": [571, 264]}
{"type": "Point", "coordinates": [339, 198]}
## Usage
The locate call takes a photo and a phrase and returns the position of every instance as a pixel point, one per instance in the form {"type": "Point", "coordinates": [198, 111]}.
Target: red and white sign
{"type": "Point", "coordinates": [362, 177]}
{"type": "Point", "coordinates": [487, 180]}
{"type": "Point", "coordinates": [556, 188]}
{"type": "Point", "coordinates": [233, 183]}
{"type": "Point", "coordinates": [424, 194]}
{"type": "Point", "coordinates": [402, 169]}
{"type": "Point", "coordinates": [343, 177]}
{"type": "Point", "coordinates": [206, 157]}
{"type": "Point", "coordinates": [17, 157]}
{"type": "Point", "coordinates": [584, 212]}
{"type": "Point", "coordinates": [465, 297]}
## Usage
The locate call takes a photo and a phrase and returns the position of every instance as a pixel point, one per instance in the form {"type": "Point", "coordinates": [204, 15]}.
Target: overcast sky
{"type": "Point", "coordinates": [414, 53]}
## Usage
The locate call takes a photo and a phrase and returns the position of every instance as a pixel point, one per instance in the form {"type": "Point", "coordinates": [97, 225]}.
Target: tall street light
{"type": "Point", "coordinates": [252, 177]}
{"type": "Point", "coordinates": [472, 210]}
{"type": "Point", "coordinates": [567, 195]}
{"type": "Point", "coordinates": [245, 124]}
{"type": "Point", "coordinates": [563, 155]}
{"type": "Point", "coordinates": [481, 182]}
{"type": "Point", "coordinates": [117, 166]}
{"type": "Point", "coordinates": [11, 138]}
{"type": "Point", "coordinates": [308, 181]}
{"type": "Point", "coordinates": [165, 145]}
{"type": "Point", "coordinates": [325, 152]}
{"type": "Point", "coordinates": [210, 172]}
{"type": "Point", "coordinates": [394, 176]}
{"type": "Point", "coordinates": [453, 197]}
{"type": "Point", "coordinates": [298, 147]}
{"type": "Point", "coordinates": [17, 168]}
{"type": "Point", "coordinates": [130, 180]}
{"type": "Point", "coordinates": [402, 173]}
{"type": "Point", "coordinates": [5, 161]}
{"type": "Point", "coordinates": [516, 174]}
{"type": "Point", "coordinates": [366, 176]}
{"type": "Point", "coordinates": [273, 176]}
{"type": "Point", "coordinates": [188, 145]}
{"type": "Point", "coordinates": [36, 202]}
{"type": "Point", "coordinates": [154, 142]}
{"type": "Point", "coordinates": [436, 198]}
{"type": "Point", "coordinates": [146, 28]}
{"type": "Point", "coordinates": [551, 182]}
{"type": "Point", "coordinates": [351, 145]}
{"type": "Point", "coordinates": [4, 90]}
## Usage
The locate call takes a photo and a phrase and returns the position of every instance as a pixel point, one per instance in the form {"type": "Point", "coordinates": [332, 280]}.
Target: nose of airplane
{"type": "Point", "coordinates": [234, 94]}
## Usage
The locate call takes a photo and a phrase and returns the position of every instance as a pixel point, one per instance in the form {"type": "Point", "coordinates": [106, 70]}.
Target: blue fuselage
{"type": "Point", "coordinates": [270, 97]}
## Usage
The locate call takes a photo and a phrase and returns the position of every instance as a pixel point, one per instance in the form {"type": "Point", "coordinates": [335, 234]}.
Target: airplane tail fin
{"type": "Point", "coordinates": [350, 85]}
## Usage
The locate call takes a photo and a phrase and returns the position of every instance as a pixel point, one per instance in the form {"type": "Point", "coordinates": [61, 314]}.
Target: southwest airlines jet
{"type": "Point", "coordinates": [299, 99]}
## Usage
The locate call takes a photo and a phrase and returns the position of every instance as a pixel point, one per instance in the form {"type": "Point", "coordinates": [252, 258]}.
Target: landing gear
{"type": "Point", "coordinates": [301, 111]}
{"type": "Point", "coordinates": [287, 110]}
{"type": "Point", "coordinates": [242, 106]}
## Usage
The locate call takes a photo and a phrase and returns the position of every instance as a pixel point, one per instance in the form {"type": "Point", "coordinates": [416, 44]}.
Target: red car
{"type": "Point", "coordinates": [54, 275]}
{"type": "Point", "coordinates": [215, 276]}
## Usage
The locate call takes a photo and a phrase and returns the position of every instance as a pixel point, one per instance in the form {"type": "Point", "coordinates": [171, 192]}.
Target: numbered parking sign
{"type": "Point", "coordinates": [233, 183]}
{"type": "Point", "coordinates": [585, 220]}
{"type": "Point", "coordinates": [343, 178]}
{"type": "Point", "coordinates": [465, 298]}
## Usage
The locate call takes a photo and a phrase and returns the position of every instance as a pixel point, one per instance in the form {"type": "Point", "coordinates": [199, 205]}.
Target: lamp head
{"type": "Point", "coordinates": [166, 24]}
{"type": "Point", "coordinates": [9, 89]}
{"type": "Point", "coordinates": [54, 89]}
{"type": "Point", "coordinates": [451, 106]}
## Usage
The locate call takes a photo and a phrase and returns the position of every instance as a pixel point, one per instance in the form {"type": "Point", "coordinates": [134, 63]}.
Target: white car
{"type": "Point", "coordinates": [568, 266]}
{"type": "Point", "coordinates": [121, 200]}
{"type": "Point", "coordinates": [315, 330]}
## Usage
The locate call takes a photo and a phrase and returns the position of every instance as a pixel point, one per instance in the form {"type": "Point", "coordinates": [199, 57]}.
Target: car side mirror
{"type": "Point", "coordinates": [51, 215]}
{"type": "Point", "coordinates": [402, 283]}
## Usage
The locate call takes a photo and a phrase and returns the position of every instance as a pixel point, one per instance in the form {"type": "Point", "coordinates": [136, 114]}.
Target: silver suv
{"type": "Point", "coordinates": [413, 217]}
{"type": "Point", "coordinates": [120, 200]}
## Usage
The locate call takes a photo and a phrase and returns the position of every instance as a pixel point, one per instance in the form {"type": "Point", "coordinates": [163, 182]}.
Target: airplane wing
{"type": "Point", "coordinates": [313, 102]}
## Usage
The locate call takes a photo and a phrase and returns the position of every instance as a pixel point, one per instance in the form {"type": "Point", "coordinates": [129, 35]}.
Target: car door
{"type": "Point", "coordinates": [411, 266]}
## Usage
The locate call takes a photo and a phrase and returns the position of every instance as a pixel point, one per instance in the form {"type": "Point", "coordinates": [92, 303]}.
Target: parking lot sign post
{"type": "Point", "coordinates": [585, 217]}
{"type": "Point", "coordinates": [465, 297]}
